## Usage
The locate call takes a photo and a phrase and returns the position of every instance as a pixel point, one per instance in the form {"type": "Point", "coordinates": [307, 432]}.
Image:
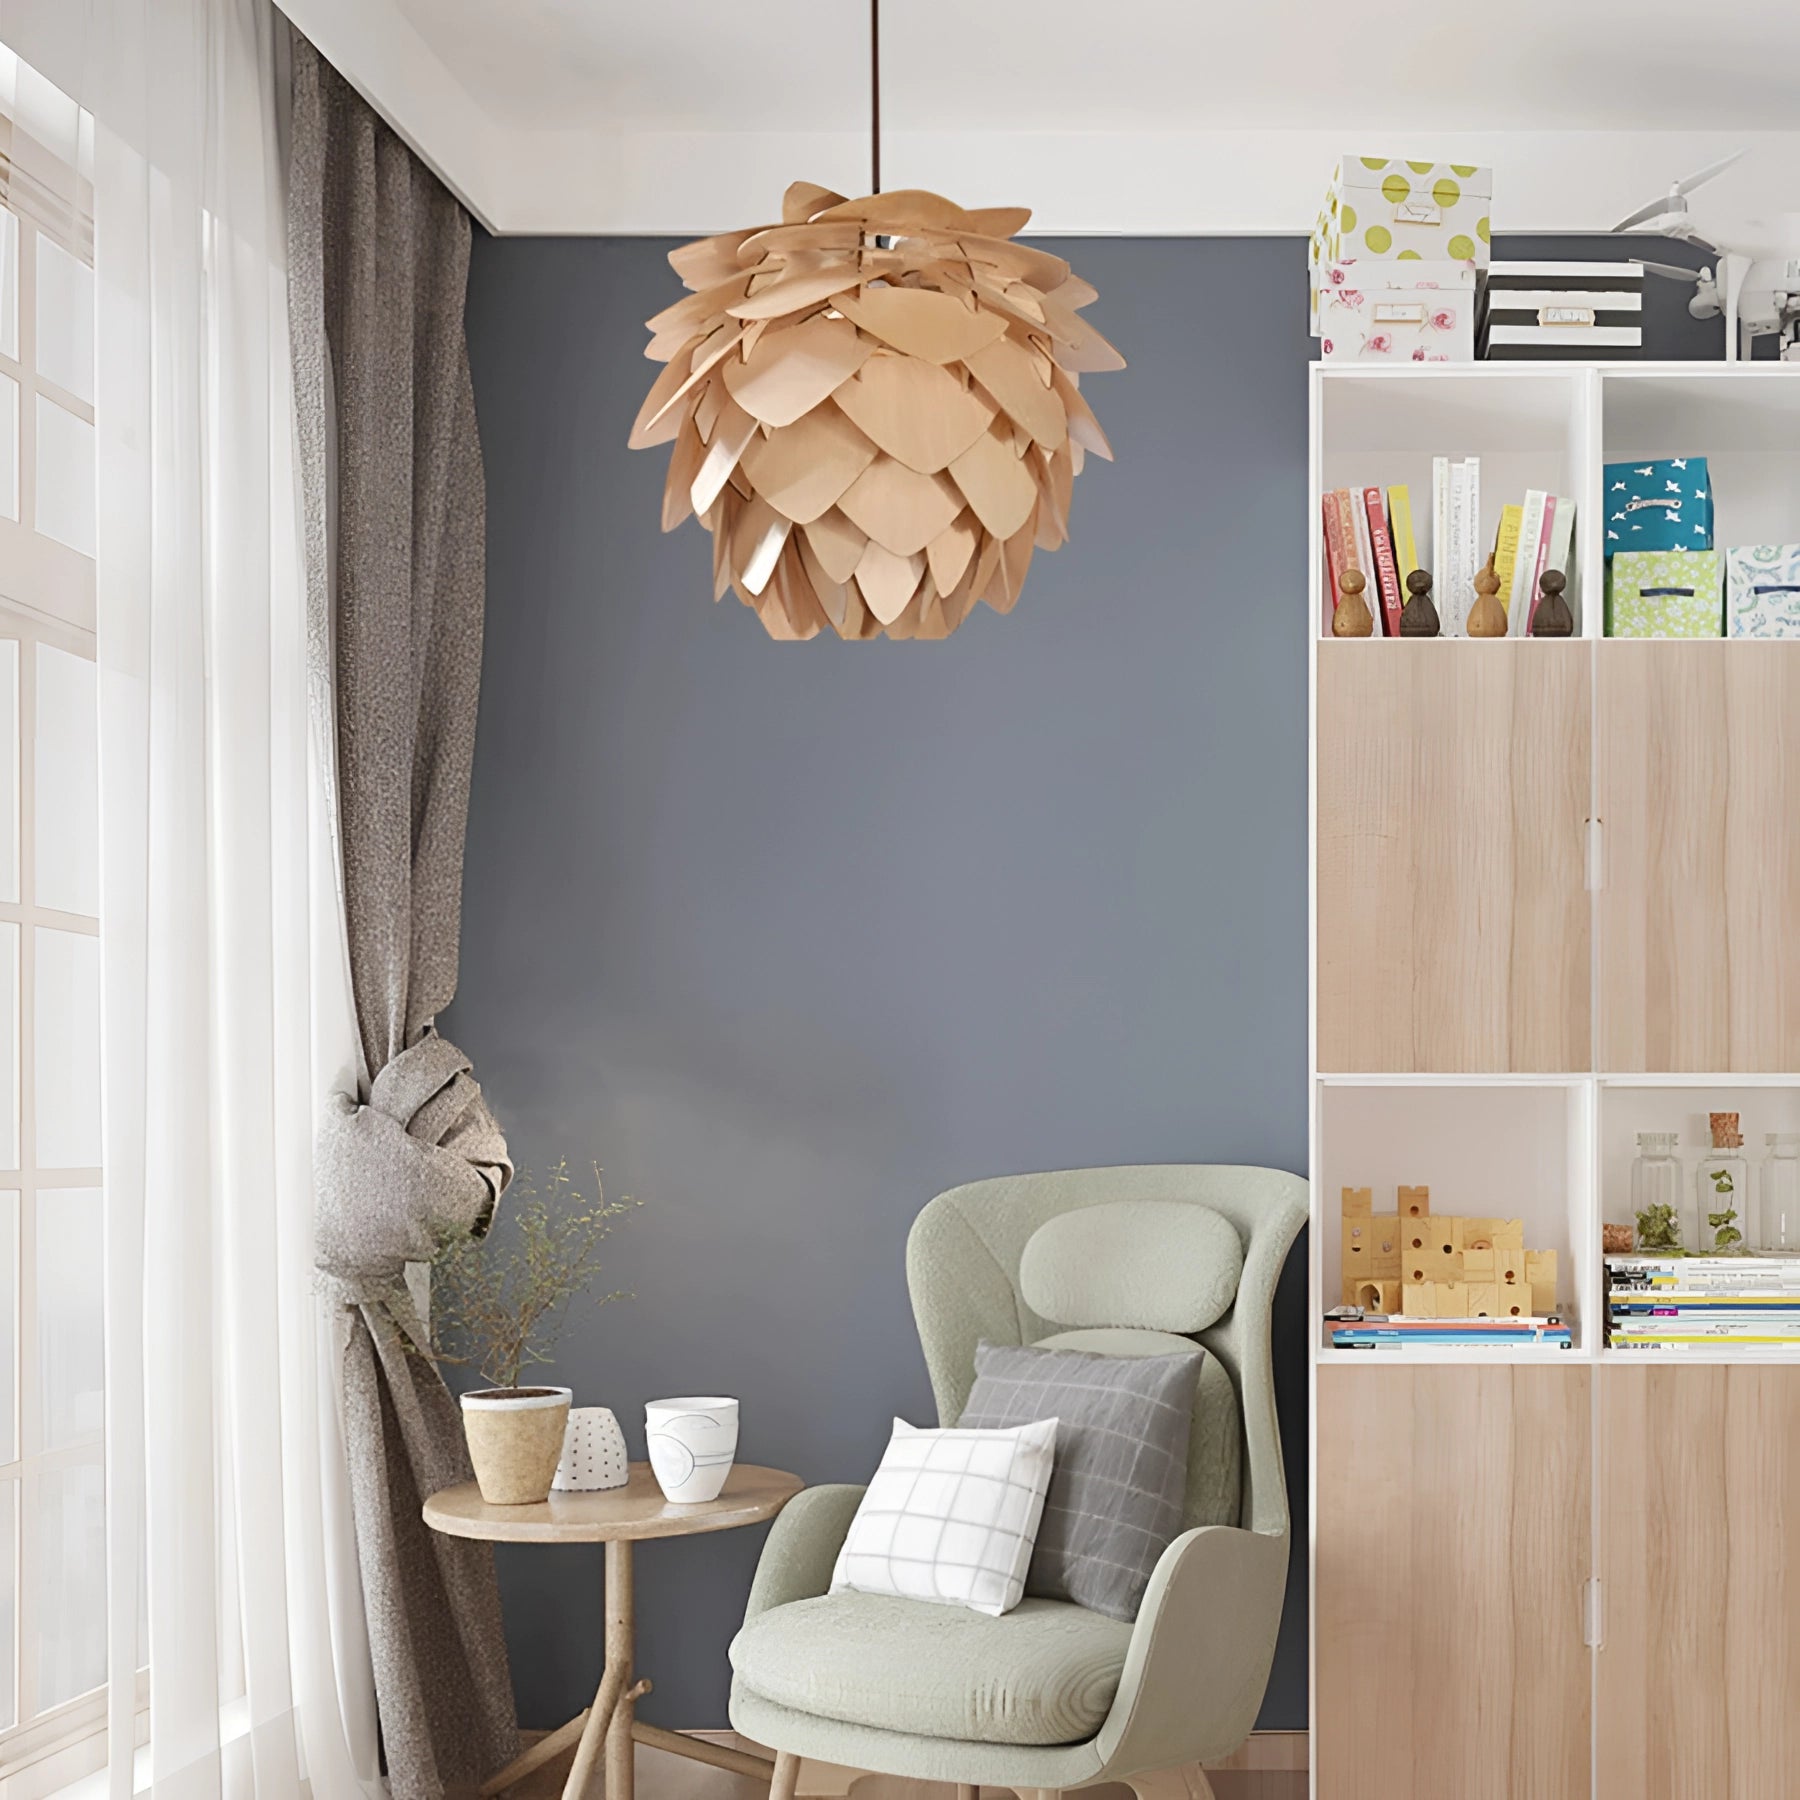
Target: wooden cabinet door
{"type": "Point", "coordinates": [1453, 792]}
{"type": "Point", "coordinates": [1699, 793]}
{"type": "Point", "coordinates": [1452, 1545]}
{"type": "Point", "coordinates": [1699, 1689]}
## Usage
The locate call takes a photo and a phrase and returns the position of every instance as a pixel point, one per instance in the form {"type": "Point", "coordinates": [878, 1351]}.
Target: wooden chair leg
{"type": "Point", "coordinates": [786, 1777]}
{"type": "Point", "coordinates": [1188, 1782]}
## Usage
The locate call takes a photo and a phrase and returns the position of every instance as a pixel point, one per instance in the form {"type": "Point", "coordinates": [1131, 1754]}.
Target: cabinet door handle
{"type": "Point", "coordinates": [1593, 1614]}
{"type": "Point", "coordinates": [1596, 855]}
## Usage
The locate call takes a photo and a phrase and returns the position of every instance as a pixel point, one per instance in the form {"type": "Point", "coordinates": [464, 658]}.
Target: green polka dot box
{"type": "Point", "coordinates": [1383, 209]}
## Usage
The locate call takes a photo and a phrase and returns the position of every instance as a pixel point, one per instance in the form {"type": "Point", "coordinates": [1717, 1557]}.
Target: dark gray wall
{"type": "Point", "coordinates": [792, 937]}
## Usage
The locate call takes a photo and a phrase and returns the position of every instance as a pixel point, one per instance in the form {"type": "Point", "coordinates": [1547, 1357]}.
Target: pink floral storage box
{"type": "Point", "coordinates": [1397, 312]}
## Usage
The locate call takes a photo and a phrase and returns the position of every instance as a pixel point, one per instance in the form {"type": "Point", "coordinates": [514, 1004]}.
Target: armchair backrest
{"type": "Point", "coordinates": [962, 1262]}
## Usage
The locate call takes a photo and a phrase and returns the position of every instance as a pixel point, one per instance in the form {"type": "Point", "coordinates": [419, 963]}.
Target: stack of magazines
{"type": "Point", "coordinates": [1677, 1303]}
{"type": "Point", "coordinates": [1376, 1331]}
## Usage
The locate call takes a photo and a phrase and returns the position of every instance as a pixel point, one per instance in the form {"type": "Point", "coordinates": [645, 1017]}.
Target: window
{"type": "Point", "coordinates": [52, 1494]}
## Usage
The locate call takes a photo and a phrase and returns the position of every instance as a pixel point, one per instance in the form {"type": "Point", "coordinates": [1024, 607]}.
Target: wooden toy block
{"type": "Point", "coordinates": [1445, 1237]}
{"type": "Point", "coordinates": [1540, 1273]}
{"type": "Point", "coordinates": [1358, 1236]}
{"type": "Point", "coordinates": [1478, 1234]}
{"type": "Point", "coordinates": [1478, 1263]}
{"type": "Point", "coordinates": [1373, 1296]}
{"type": "Point", "coordinates": [1484, 1300]}
{"type": "Point", "coordinates": [1418, 1299]}
{"type": "Point", "coordinates": [1384, 1251]}
{"type": "Point", "coordinates": [1415, 1252]}
{"type": "Point", "coordinates": [1359, 1203]}
{"type": "Point", "coordinates": [1446, 1268]}
{"type": "Point", "coordinates": [1415, 1202]}
{"type": "Point", "coordinates": [1509, 1234]}
{"type": "Point", "coordinates": [1509, 1269]}
{"type": "Point", "coordinates": [1452, 1299]}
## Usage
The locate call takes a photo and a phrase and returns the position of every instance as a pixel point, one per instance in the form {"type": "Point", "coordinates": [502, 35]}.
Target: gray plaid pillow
{"type": "Point", "coordinates": [1120, 1480]}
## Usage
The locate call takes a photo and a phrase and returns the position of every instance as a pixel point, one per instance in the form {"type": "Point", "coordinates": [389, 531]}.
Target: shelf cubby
{"type": "Point", "coordinates": [1517, 1149]}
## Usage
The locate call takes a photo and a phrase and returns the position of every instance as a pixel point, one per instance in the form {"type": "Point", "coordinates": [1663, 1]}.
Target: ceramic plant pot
{"type": "Point", "coordinates": [593, 1456]}
{"type": "Point", "coordinates": [692, 1443]}
{"type": "Point", "coordinates": [515, 1441]}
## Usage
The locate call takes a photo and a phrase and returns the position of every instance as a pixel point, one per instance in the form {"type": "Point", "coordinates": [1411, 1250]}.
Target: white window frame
{"type": "Point", "coordinates": [46, 600]}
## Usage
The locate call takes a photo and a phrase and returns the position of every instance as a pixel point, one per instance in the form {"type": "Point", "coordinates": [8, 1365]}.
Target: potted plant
{"type": "Point", "coordinates": [498, 1302]}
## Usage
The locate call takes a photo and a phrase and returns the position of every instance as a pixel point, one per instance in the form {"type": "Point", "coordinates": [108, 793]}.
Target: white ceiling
{"type": "Point", "coordinates": [1130, 115]}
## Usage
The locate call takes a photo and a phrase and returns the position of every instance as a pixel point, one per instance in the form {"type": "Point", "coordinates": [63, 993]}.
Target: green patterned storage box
{"type": "Point", "coordinates": [1386, 209]}
{"type": "Point", "coordinates": [1762, 591]}
{"type": "Point", "coordinates": [1666, 594]}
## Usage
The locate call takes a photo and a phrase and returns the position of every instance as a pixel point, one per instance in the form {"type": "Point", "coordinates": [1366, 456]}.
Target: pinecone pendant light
{"type": "Point", "coordinates": [875, 409]}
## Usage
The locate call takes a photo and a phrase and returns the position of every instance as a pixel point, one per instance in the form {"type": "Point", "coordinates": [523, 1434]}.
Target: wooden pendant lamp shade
{"type": "Point", "coordinates": [875, 409]}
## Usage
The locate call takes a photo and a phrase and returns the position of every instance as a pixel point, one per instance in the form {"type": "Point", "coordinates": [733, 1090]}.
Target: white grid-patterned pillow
{"type": "Point", "coordinates": [950, 1516]}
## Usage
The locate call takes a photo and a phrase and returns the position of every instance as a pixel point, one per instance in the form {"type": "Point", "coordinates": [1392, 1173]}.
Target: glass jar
{"type": "Point", "coordinates": [1728, 1224]}
{"type": "Point", "coordinates": [1780, 1206]}
{"type": "Point", "coordinates": [1657, 1195]}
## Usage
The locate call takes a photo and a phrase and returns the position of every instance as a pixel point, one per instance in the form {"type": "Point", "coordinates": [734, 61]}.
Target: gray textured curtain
{"type": "Point", "coordinates": [395, 520]}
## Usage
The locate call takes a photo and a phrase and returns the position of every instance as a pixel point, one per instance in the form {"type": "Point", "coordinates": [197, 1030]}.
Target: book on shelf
{"type": "Point", "coordinates": [1506, 552]}
{"type": "Point", "coordinates": [1374, 531]}
{"type": "Point", "coordinates": [1456, 549]}
{"type": "Point", "coordinates": [1400, 529]}
{"type": "Point", "coordinates": [1559, 532]}
{"type": "Point", "coordinates": [1336, 553]}
{"type": "Point", "coordinates": [1384, 1331]}
{"type": "Point", "coordinates": [1524, 572]}
{"type": "Point", "coordinates": [1387, 573]}
{"type": "Point", "coordinates": [1365, 553]}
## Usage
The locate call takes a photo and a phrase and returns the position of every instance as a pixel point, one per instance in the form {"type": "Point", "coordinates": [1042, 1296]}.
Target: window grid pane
{"type": "Point", "coordinates": [65, 319]}
{"type": "Point", "coordinates": [9, 770]}
{"type": "Point", "coordinates": [66, 754]}
{"type": "Point", "coordinates": [66, 1049]}
{"type": "Point", "coordinates": [67, 1573]}
{"type": "Point", "coordinates": [9, 283]}
{"type": "Point", "coordinates": [65, 476]}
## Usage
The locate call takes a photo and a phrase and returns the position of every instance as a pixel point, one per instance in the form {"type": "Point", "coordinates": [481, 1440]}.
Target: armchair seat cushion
{"type": "Point", "coordinates": [1045, 1673]}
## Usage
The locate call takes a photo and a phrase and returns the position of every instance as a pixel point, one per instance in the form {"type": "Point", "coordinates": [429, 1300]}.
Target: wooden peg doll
{"type": "Point", "coordinates": [1352, 618]}
{"type": "Point", "coordinates": [1552, 618]}
{"type": "Point", "coordinates": [1487, 617]}
{"type": "Point", "coordinates": [1419, 617]}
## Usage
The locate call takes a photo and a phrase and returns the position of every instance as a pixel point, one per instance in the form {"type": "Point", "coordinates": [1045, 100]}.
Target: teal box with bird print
{"type": "Point", "coordinates": [1663, 504]}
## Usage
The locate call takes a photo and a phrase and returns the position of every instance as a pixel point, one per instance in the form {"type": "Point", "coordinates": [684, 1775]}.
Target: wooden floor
{"type": "Point", "coordinates": [1266, 1771]}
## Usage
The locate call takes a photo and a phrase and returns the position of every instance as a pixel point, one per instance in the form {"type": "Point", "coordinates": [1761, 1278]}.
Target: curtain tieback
{"type": "Point", "coordinates": [422, 1160]}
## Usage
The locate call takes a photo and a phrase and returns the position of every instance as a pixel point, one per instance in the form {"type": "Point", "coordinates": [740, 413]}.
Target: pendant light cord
{"type": "Point", "coordinates": [875, 96]}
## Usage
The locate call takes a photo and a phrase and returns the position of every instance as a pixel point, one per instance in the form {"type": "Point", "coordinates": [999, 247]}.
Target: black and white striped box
{"type": "Point", "coordinates": [1563, 311]}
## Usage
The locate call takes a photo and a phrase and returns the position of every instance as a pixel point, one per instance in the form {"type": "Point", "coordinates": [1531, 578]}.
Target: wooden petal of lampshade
{"type": "Point", "coordinates": [874, 408]}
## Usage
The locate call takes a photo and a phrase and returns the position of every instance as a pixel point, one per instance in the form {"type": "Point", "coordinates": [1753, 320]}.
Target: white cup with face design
{"type": "Point", "coordinates": [693, 1443]}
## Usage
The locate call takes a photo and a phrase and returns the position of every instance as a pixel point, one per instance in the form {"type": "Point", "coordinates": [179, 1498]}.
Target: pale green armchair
{"type": "Point", "coordinates": [1050, 1696]}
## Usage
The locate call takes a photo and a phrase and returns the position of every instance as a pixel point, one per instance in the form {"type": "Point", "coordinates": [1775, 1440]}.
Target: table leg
{"type": "Point", "coordinates": [621, 1648]}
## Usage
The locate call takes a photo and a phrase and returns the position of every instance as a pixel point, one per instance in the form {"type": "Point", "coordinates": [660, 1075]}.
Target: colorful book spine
{"type": "Point", "coordinates": [1545, 534]}
{"type": "Point", "coordinates": [1531, 533]}
{"type": "Point", "coordinates": [1440, 535]}
{"type": "Point", "coordinates": [1365, 554]}
{"type": "Point", "coordinates": [1562, 545]}
{"type": "Point", "coordinates": [1400, 531]}
{"type": "Point", "coordinates": [1335, 557]}
{"type": "Point", "coordinates": [1387, 574]}
{"type": "Point", "coordinates": [1506, 552]}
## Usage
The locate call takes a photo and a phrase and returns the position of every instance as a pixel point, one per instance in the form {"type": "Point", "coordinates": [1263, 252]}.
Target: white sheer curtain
{"type": "Point", "coordinates": [225, 1014]}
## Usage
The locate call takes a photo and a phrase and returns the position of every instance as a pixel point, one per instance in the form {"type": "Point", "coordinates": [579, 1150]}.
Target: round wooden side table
{"type": "Point", "coordinates": [617, 1518]}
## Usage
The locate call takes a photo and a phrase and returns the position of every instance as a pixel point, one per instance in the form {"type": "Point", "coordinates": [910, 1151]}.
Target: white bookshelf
{"type": "Point", "coordinates": [1552, 1148]}
{"type": "Point", "coordinates": [1563, 1144]}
